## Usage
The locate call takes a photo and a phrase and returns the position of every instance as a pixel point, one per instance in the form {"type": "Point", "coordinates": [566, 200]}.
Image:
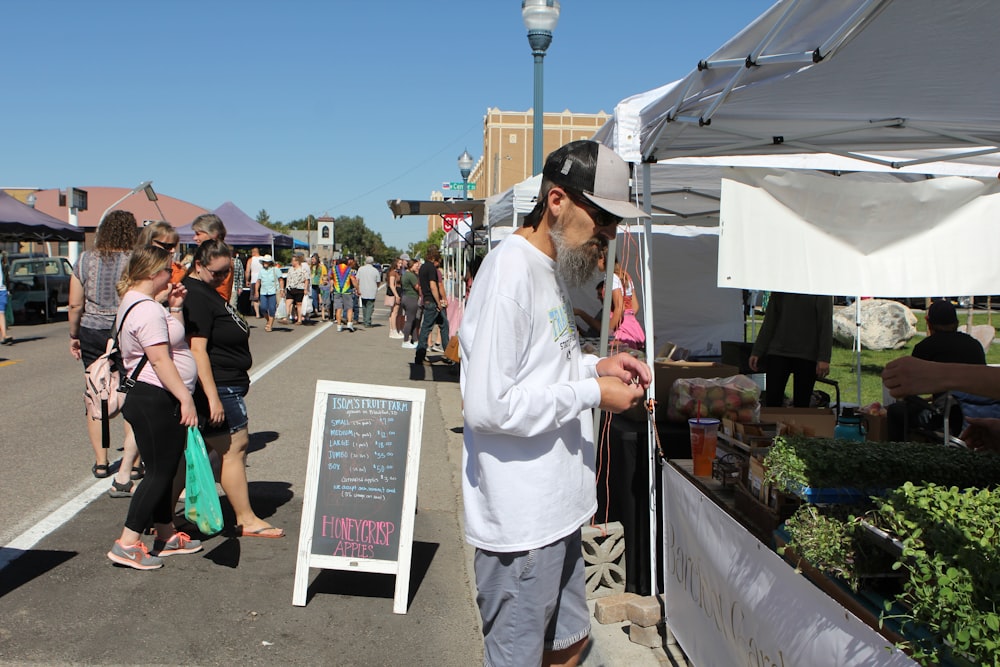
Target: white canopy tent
{"type": "Point", "coordinates": [888, 83]}
{"type": "Point", "coordinates": [848, 77]}
{"type": "Point", "coordinates": [691, 310]}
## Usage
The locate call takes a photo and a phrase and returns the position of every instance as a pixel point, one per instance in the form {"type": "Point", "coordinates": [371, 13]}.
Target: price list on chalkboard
{"type": "Point", "coordinates": [359, 500]}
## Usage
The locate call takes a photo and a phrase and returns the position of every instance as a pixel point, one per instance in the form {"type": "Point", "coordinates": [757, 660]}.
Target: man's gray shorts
{"type": "Point", "coordinates": [343, 301]}
{"type": "Point", "coordinates": [532, 600]}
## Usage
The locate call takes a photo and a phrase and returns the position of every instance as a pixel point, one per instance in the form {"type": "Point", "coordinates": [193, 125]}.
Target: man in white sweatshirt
{"type": "Point", "coordinates": [528, 391]}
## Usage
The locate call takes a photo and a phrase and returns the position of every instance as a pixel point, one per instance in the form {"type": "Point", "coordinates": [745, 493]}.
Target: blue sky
{"type": "Point", "coordinates": [325, 107]}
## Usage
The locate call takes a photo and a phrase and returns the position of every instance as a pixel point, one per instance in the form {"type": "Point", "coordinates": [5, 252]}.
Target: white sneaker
{"type": "Point", "coordinates": [350, 325]}
{"type": "Point", "coordinates": [409, 346]}
{"type": "Point", "coordinates": [436, 348]}
{"type": "Point", "coordinates": [340, 328]}
{"type": "Point", "coordinates": [395, 334]}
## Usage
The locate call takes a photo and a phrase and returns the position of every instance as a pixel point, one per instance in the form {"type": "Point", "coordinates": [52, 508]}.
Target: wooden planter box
{"type": "Point", "coordinates": [762, 519]}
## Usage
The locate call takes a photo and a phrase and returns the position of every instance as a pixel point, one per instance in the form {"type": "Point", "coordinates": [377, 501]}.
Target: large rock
{"type": "Point", "coordinates": [885, 325]}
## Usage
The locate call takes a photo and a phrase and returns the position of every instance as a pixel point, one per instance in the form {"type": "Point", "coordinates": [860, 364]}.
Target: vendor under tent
{"type": "Point", "coordinates": [242, 230]}
{"type": "Point", "coordinates": [888, 83]}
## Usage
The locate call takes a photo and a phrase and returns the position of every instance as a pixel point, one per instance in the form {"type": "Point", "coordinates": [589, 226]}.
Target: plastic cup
{"type": "Point", "coordinates": [704, 438]}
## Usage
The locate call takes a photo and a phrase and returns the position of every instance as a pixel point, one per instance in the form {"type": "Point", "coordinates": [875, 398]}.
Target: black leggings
{"type": "Point", "coordinates": [411, 329]}
{"type": "Point", "coordinates": [154, 414]}
{"type": "Point", "coordinates": [778, 370]}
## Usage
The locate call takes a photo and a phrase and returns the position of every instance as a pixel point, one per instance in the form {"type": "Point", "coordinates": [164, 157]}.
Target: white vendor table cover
{"type": "Point", "coordinates": [732, 601]}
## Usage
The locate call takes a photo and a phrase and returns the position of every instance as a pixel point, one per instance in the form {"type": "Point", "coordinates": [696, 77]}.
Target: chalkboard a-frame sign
{"type": "Point", "coordinates": [361, 483]}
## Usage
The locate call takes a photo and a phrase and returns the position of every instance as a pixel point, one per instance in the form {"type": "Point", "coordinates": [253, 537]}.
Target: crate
{"type": "Point", "coordinates": [761, 519]}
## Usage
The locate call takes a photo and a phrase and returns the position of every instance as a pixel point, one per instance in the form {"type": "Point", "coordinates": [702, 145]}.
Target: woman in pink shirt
{"type": "Point", "coordinates": [159, 406]}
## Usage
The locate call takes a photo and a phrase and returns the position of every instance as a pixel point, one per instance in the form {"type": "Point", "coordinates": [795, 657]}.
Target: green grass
{"type": "Point", "coordinates": [842, 364]}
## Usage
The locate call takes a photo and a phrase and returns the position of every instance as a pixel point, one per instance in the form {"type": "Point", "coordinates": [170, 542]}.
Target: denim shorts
{"type": "Point", "coordinates": [232, 404]}
{"type": "Point", "coordinates": [532, 601]}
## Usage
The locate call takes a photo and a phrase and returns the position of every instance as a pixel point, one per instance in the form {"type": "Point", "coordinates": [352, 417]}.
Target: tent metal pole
{"type": "Point", "coordinates": [647, 320]}
{"type": "Point", "coordinates": [857, 344]}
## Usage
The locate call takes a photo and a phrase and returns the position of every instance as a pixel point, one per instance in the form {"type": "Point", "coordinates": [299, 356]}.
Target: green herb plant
{"type": "Point", "coordinates": [951, 551]}
{"type": "Point", "coordinates": [826, 542]}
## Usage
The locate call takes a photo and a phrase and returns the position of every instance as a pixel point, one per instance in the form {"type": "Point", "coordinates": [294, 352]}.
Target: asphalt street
{"type": "Point", "coordinates": [63, 602]}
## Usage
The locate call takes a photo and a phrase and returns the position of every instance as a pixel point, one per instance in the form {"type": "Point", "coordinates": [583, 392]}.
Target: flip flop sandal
{"type": "Point", "coordinates": [261, 532]}
{"type": "Point", "coordinates": [100, 470]}
{"type": "Point", "coordinates": [138, 472]}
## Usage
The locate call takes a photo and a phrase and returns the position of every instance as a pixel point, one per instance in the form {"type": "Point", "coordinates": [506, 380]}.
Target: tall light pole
{"type": "Point", "coordinates": [540, 18]}
{"type": "Point", "coordinates": [465, 168]}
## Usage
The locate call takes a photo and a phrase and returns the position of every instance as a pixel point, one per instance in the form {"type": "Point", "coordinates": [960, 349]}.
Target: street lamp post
{"type": "Point", "coordinates": [465, 168]}
{"type": "Point", "coordinates": [540, 18]}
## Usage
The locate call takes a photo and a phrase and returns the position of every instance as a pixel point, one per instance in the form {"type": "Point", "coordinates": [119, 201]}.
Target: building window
{"type": "Point", "coordinates": [513, 138]}
{"type": "Point", "coordinates": [326, 232]}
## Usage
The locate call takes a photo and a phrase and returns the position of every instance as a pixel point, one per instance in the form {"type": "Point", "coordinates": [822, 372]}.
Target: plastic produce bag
{"type": "Point", "coordinates": [201, 500]}
{"type": "Point", "coordinates": [736, 398]}
{"type": "Point", "coordinates": [281, 312]}
{"type": "Point", "coordinates": [307, 303]}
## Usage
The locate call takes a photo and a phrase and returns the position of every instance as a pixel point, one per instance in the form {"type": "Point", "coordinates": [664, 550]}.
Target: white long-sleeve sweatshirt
{"type": "Point", "coordinates": [528, 391]}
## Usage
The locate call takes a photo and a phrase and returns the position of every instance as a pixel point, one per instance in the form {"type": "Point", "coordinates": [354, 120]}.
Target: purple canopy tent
{"type": "Point", "coordinates": [20, 222]}
{"type": "Point", "coordinates": [242, 230]}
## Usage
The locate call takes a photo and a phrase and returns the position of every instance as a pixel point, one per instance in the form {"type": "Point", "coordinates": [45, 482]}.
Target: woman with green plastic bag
{"type": "Point", "coordinates": [159, 406]}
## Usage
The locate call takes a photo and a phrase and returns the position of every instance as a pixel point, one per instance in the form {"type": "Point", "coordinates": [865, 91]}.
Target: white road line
{"type": "Point", "coordinates": [29, 538]}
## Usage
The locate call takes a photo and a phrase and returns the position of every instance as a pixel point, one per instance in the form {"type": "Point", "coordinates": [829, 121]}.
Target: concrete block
{"type": "Point", "coordinates": [650, 636]}
{"type": "Point", "coordinates": [645, 611]}
{"type": "Point", "coordinates": [614, 608]}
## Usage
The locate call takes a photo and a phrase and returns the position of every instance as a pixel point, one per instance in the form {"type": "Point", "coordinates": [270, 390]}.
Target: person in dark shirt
{"type": "Point", "coordinates": [220, 343]}
{"type": "Point", "coordinates": [435, 305]}
{"type": "Point", "coordinates": [944, 343]}
{"type": "Point", "coordinates": [795, 340]}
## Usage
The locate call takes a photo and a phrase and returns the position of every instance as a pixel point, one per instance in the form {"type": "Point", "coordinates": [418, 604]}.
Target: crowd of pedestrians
{"type": "Point", "coordinates": [184, 347]}
{"type": "Point", "coordinates": [183, 344]}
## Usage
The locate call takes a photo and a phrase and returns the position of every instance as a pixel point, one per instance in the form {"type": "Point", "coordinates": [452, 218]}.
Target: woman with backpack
{"type": "Point", "coordinates": [93, 304]}
{"type": "Point", "coordinates": [159, 406]}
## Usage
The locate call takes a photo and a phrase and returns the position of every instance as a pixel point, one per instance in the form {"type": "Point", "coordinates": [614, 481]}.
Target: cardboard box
{"type": "Point", "coordinates": [878, 427]}
{"type": "Point", "coordinates": [817, 422]}
{"type": "Point", "coordinates": [666, 372]}
{"type": "Point", "coordinates": [755, 480]}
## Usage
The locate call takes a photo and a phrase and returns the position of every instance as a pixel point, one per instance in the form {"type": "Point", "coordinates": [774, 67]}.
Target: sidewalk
{"type": "Point", "coordinates": [65, 603]}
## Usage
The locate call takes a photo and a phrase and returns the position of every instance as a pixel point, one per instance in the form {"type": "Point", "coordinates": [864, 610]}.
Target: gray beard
{"type": "Point", "coordinates": [575, 265]}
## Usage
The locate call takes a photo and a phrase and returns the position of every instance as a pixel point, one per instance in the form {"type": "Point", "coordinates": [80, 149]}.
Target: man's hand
{"type": "Point", "coordinates": [909, 376]}
{"type": "Point", "coordinates": [753, 361]}
{"type": "Point", "coordinates": [618, 396]}
{"type": "Point", "coordinates": [822, 369]}
{"type": "Point", "coordinates": [623, 380]}
{"type": "Point", "coordinates": [626, 368]}
{"type": "Point", "coordinates": [982, 434]}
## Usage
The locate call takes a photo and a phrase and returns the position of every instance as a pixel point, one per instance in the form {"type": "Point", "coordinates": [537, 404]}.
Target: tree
{"type": "Point", "coordinates": [419, 249]}
{"type": "Point", "coordinates": [263, 218]}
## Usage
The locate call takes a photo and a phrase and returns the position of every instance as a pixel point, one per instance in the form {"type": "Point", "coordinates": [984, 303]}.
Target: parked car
{"type": "Point", "coordinates": [39, 282]}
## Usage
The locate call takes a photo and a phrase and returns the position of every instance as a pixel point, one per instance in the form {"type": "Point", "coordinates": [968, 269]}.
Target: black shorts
{"type": "Point", "coordinates": [94, 343]}
{"type": "Point", "coordinates": [295, 294]}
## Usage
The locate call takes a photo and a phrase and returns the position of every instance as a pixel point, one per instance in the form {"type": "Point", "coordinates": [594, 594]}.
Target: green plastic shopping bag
{"type": "Point", "coordinates": [201, 500]}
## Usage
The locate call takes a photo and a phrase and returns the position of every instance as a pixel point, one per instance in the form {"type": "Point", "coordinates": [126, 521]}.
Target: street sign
{"type": "Point", "coordinates": [457, 185]}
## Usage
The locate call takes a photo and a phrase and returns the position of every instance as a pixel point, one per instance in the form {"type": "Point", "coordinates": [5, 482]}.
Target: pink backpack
{"type": "Point", "coordinates": [104, 394]}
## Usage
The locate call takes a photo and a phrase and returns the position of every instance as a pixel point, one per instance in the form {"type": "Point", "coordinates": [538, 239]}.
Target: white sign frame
{"type": "Point", "coordinates": [399, 567]}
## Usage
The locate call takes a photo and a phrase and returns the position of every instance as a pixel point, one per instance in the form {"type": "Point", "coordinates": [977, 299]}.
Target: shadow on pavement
{"type": "Point", "coordinates": [372, 585]}
{"type": "Point", "coordinates": [260, 440]}
{"type": "Point", "coordinates": [438, 371]}
{"type": "Point", "coordinates": [23, 570]}
{"type": "Point", "coordinates": [226, 553]}
{"type": "Point", "coordinates": [266, 497]}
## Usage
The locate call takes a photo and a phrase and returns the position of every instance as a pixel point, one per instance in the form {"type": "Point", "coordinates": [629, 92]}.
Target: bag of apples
{"type": "Point", "coordinates": [736, 398]}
